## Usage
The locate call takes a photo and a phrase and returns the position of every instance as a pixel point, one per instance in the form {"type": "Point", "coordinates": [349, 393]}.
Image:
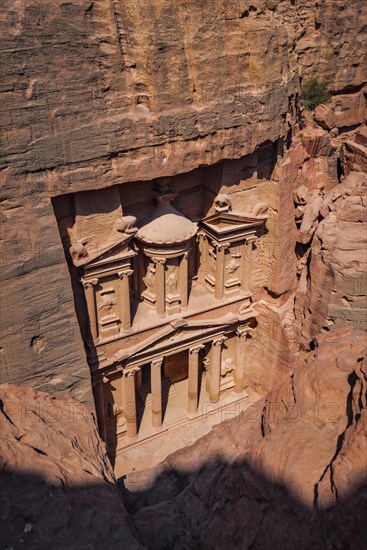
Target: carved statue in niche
{"type": "Point", "coordinates": [222, 203]}
{"type": "Point", "coordinates": [126, 224]}
{"type": "Point", "coordinates": [206, 363]}
{"type": "Point", "coordinates": [226, 366]}
{"type": "Point", "coordinates": [212, 259]}
{"type": "Point", "coordinates": [172, 283]}
{"type": "Point", "coordinates": [107, 300]}
{"type": "Point", "coordinates": [149, 279]}
{"type": "Point", "coordinates": [234, 264]}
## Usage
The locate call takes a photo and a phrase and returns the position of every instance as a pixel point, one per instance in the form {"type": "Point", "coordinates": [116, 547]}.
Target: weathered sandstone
{"type": "Point", "coordinates": [57, 485]}
{"type": "Point", "coordinates": [290, 473]}
{"type": "Point", "coordinates": [342, 111]}
{"type": "Point", "coordinates": [106, 92]}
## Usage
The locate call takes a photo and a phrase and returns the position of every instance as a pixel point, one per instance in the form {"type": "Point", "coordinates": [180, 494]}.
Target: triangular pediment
{"type": "Point", "coordinates": [173, 336]}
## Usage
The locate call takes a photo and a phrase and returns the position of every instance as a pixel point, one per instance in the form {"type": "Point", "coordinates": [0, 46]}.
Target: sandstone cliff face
{"type": "Point", "coordinates": [106, 92]}
{"type": "Point", "coordinates": [290, 473]}
{"type": "Point", "coordinates": [57, 486]}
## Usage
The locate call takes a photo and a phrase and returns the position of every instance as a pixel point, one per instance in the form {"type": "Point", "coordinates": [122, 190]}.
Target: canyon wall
{"type": "Point", "coordinates": [99, 93]}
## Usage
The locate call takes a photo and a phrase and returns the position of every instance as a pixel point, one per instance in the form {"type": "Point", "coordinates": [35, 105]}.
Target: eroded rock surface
{"type": "Point", "coordinates": [289, 473]}
{"type": "Point", "coordinates": [57, 485]}
{"type": "Point", "coordinates": [106, 92]}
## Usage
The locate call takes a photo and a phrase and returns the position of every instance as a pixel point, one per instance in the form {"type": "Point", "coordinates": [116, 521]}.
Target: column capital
{"type": "Point", "coordinates": [123, 274]}
{"type": "Point", "coordinates": [157, 363]}
{"type": "Point", "coordinates": [251, 239]}
{"type": "Point", "coordinates": [219, 340]}
{"type": "Point", "coordinates": [130, 372]}
{"type": "Point", "coordinates": [89, 282]}
{"type": "Point", "coordinates": [159, 260]}
{"type": "Point", "coordinates": [222, 246]}
{"type": "Point", "coordinates": [196, 349]}
{"type": "Point", "coordinates": [243, 331]}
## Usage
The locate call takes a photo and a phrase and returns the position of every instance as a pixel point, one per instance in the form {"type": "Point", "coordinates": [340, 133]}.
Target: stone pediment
{"type": "Point", "coordinates": [175, 336]}
{"type": "Point", "coordinates": [103, 253]}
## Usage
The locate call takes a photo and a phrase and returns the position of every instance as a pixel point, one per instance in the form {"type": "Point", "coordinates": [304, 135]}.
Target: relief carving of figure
{"type": "Point", "coordinates": [149, 279]}
{"type": "Point", "coordinates": [226, 366]}
{"type": "Point", "coordinates": [234, 264]}
{"type": "Point", "coordinates": [212, 259]}
{"type": "Point", "coordinates": [107, 300]}
{"type": "Point", "coordinates": [172, 283]}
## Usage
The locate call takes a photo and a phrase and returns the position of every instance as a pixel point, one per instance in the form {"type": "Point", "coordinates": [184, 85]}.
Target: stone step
{"type": "Point", "coordinates": [176, 422]}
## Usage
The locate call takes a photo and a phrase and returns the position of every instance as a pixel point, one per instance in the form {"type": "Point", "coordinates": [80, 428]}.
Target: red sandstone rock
{"type": "Point", "coordinates": [57, 485]}
{"type": "Point", "coordinates": [290, 473]}
{"type": "Point", "coordinates": [342, 111]}
{"type": "Point", "coordinates": [336, 286]}
{"type": "Point", "coordinates": [101, 93]}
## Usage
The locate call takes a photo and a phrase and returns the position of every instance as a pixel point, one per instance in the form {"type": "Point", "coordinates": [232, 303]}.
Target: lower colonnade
{"type": "Point", "coordinates": [197, 360]}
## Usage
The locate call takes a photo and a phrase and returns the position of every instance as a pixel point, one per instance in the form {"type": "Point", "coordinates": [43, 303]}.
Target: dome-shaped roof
{"type": "Point", "coordinates": [166, 226]}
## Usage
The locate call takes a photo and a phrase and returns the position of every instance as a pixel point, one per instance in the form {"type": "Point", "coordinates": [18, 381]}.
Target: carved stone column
{"type": "Point", "coordinates": [247, 264]}
{"type": "Point", "coordinates": [184, 280]}
{"type": "Point", "coordinates": [216, 360]}
{"type": "Point", "coordinates": [129, 399]}
{"type": "Point", "coordinates": [241, 336]}
{"type": "Point", "coordinates": [100, 405]}
{"type": "Point", "coordinates": [193, 382]}
{"type": "Point", "coordinates": [156, 386]}
{"type": "Point", "coordinates": [219, 270]}
{"type": "Point", "coordinates": [125, 313]}
{"type": "Point", "coordinates": [91, 305]}
{"type": "Point", "coordinates": [161, 285]}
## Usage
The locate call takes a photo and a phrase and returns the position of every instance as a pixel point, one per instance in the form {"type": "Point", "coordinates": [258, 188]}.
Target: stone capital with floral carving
{"type": "Point", "coordinates": [220, 340]}
{"type": "Point", "coordinates": [196, 349]}
{"type": "Point", "coordinates": [127, 273]}
{"type": "Point", "coordinates": [87, 283]}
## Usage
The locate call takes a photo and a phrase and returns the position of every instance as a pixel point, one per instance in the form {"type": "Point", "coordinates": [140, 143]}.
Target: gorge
{"type": "Point", "coordinates": [183, 314]}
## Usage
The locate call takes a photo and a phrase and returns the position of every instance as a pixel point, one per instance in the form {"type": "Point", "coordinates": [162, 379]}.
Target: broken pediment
{"type": "Point", "coordinates": [91, 256]}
